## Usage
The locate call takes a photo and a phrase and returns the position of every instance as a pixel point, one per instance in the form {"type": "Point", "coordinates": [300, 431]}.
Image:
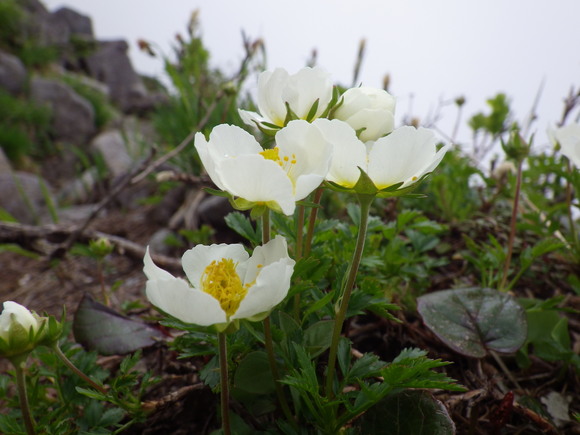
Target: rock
{"type": "Point", "coordinates": [80, 190]}
{"type": "Point", "coordinates": [111, 65]}
{"type": "Point", "coordinates": [73, 117]}
{"type": "Point", "coordinates": [76, 23]}
{"type": "Point", "coordinates": [12, 73]}
{"type": "Point", "coordinates": [26, 197]}
{"type": "Point", "coordinates": [5, 166]}
{"type": "Point", "coordinates": [111, 146]}
{"type": "Point", "coordinates": [42, 26]}
{"type": "Point", "coordinates": [158, 242]}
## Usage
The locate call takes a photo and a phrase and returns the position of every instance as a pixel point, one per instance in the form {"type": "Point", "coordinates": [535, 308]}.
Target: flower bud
{"type": "Point", "coordinates": [368, 109]}
{"type": "Point", "coordinates": [20, 330]}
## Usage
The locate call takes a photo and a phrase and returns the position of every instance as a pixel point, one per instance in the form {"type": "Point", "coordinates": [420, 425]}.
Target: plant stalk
{"type": "Point", "coordinates": [23, 397]}
{"type": "Point", "coordinates": [312, 221]}
{"type": "Point", "coordinates": [67, 362]}
{"type": "Point", "coordinates": [269, 344]}
{"type": "Point", "coordinates": [224, 382]}
{"type": "Point", "coordinates": [298, 254]}
{"type": "Point", "coordinates": [512, 235]}
{"type": "Point", "coordinates": [365, 202]}
{"type": "Point", "coordinates": [575, 241]}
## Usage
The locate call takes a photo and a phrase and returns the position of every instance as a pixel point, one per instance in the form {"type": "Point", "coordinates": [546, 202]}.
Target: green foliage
{"type": "Point", "coordinates": [496, 122]}
{"type": "Point", "coordinates": [10, 22]}
{"type": "Point", "coordinates": [103, 109]}
{"type": "Point", "coordinates": [24, 127]}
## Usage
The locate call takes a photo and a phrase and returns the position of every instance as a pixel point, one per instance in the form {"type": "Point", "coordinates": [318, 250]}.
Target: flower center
{"type": "Point", "coordinates": [221, 280]}
{"type": "Point", "coordinates": [287, 163]}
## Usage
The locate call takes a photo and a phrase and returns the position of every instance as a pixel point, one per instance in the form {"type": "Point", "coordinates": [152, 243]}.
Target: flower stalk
{"type": "Point", "coordinates": [574, 235]}
{"type": "Point", "coordinates": [365, 202]}
{"type": "Point", "coordinates": [312, 221]}
{"type": "Point", "coordinates": [513, 222]}
{"type": "Point", "coordinates": [23, 397]}
{"type": "Point", "coordinates": [224, 383]}
{"type": "Point", "coordinates": [67, 362]}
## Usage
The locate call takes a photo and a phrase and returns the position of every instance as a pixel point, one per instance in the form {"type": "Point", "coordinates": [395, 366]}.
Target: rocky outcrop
{"type": "Point", "coordinates": [73, 117]}
{"type": "Point", "coordinates": [26, 197]}
{"type": "Point", "coordinates": [12, 73]}
{"type": "Point", "coordinates": [111, 65]}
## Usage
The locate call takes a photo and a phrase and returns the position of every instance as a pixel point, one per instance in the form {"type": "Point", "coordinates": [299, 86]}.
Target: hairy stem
{"type": "Point", "coordinates": [312, 221]}
{"type": "Point", "coordinates": [67, 362]}
{"type": "Point", "coordinates": [224, 383]}
{"type": "Point", "coordinates": [365, 202]}
{"type": "Point", "coordinates": [513, 222]}
{"type": "Point", "coordinates": [23, 397]}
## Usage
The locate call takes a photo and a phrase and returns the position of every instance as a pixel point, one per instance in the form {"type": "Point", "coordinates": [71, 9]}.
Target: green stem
{"type": "Point", "coordinates": [512, 235]}
{"type": "Point", "coordinates": [365, 202]}
{"type": "Point", "coordinates": [224, 382]}
{"type": "Point", "coordinates": [266, 227]}
{"type": "Point", "coordinates": [298, 254]}
{"type": "Point", "coordinates": [312, 221]}
{"type": "Point", "coordinates": [269, 344]}
{"type": "Point", "coordinates": [23, 397]}
{"type": "Point", "coordinates": [67, 362]}
{"type": "Point", "coordinates": [575, 241]}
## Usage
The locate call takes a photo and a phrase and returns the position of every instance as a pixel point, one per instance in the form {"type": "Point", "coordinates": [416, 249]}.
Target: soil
{"type": "Point", "coordinates": [45, 285]}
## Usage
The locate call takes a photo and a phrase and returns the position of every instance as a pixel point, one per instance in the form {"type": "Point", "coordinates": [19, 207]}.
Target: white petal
{"type": "Point", "coordinates": [21, 315]}
{"type": "Point", "coordinates": [402, 155]}
{"type": "Point", "coordinates": [348, 154]}
{"type": "Point", "coordinates": [569, 139]}
{"type": "Point", "coordinates": [251, 118]}
{"type": "Point", "coordinates": [202, 147]}
{"type": "Point", "coordinates": [304, 144]}
{"type": "Point", "coordinates": [377, 123]}
{"type": "Point", "coordinates": [270, 102]}
{"type": "Point", "coordinates": [195, 260]}
{"type": "Point", "coordinates": [272, 285]}
{"type": "Point", "coordinates": [305, 87]}
{"type": "Point", "coordinates": [230, 141]}
{"type": "Point", "coordinates": [178, 299]}
{"type": "Point", "coordinates": [275, 250]}
{"type": "Point", "coordinates": [256, 179]}
{"type": "Point", "coordinates": [152, 271]}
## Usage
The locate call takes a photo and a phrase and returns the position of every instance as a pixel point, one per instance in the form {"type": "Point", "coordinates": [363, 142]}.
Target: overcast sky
{"type": "Point", "coordinates": [434, 50]}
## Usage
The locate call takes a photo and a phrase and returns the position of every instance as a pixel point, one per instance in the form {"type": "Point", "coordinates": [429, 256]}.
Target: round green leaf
{"type": "Point", "coordinates": [408, 412]}
{"type": "Point", "coordinates": [253, 374]}
{"type": "Point", "coordinates": [473, 321]}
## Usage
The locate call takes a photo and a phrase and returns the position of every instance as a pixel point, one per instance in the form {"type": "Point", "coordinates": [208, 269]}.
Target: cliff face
{"type": "Point", "coordinates": [66, 100]}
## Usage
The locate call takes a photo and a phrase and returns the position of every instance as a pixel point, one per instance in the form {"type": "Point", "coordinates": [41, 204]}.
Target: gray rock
{"type": "Point", "coordinates": [12, 73]}
{"type": "Point", "coordinates": [73, 117]}
{"type": "Point", "coordinates": [81, 189]}
{"type": "Point", "coordinates": [5, 166]}
{"type": "Point", "coordinates": [76, 23]}
{"type": "Point", "coordinates": [111, 65]}
{"type": "Point", "coordinates": [158, 242]}
{"type": "Point", "coordinates": [111, 145]}
{"type": "Point", "coordinates": [26, 197]}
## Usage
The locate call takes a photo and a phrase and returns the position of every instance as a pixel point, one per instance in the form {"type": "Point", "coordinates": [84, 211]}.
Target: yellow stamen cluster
{"type": "Point", "coordinates": [274, 155]}
{"type": "Point", "coordinates": [221, 280]}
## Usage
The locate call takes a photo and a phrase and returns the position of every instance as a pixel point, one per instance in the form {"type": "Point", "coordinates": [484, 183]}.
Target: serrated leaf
{"type": "Point", "coordinates": [98, 327]}
{"type": "Point", "coordinates": [473, 321]}
{"type": "Point", "coordinates": [243, 226]}
{"type": "Point", "coordinates": [407, 412]}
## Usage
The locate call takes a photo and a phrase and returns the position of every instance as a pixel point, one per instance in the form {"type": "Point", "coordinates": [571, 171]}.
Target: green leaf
{"type": "Point", "coordinates": [253, 374]}
{"type": "Point", "coordinates": [317, 337]}
{"type": "Point", "coordinates": [407, 412]}
{"type": "Point", "coordinates": [244, 227]}
{"type": "Point", "coordinates": [313, 110]}
{"type": "Point", "coordinates": [98, 327]}
{"type": "Point", "coordinates": [472, 321]}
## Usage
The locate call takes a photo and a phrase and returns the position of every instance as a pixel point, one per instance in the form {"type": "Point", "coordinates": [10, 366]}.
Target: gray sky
{"type": "Point", "coordinates": [433, 50]}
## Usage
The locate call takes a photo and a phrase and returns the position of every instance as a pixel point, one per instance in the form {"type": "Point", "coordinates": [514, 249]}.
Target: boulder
{"type": "Point", "coordinates": [73, 117]}
{"type": "Point", "coordinates": [5, 166]}
{"type": "Point", "coordinates": [111, 146]}
{"type": "Point", "coordinates": [26, 197]}
{"type": "Point", "coordinates": [76, 23]}
{"type": "Point", "coordinates": [111, 65]}
{"type": "Point", "coordinates": [12, 73]}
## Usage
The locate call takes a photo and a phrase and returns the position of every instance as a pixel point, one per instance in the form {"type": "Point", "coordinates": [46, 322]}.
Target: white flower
{"type": "Point", "coordinates": [299, 91]}
{"type": "Point", "coordinates": [369, 108]}
{"type": "Point", "coordinates": [401, 158]}
{"type": "Point", "coordinates": [569, 139]}
{"type": "Point", "coordinates": [13, 316]}
{"type": "Point", "coordinates": [223, 283]}
{"type": "Point", "coordinates": [277, 177]}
